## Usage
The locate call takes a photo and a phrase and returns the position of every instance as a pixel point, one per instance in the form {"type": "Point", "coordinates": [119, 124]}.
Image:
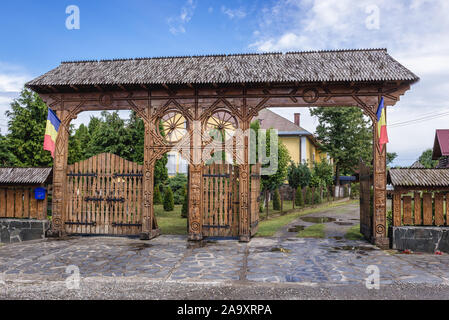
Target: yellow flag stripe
{"type": "Point", "coordinates": [50, 130]}
{"type": "Point", "coordinates": [382, 122]}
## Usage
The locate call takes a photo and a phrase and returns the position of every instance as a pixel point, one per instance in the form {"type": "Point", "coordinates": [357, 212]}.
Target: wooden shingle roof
{"type": "Point", "coordinates": [418, 178]}
{"type": "Point", "coordinates": [24, 175]}
{"type": "Point", "coordinates": [369, 65]}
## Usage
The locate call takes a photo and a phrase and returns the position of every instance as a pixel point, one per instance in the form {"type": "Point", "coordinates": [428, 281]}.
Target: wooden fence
{"type": "Point", "coordinates": [221, 195]}
{"type": "Point", "coordinates": [18, 202]}
{"type": "Point", "coordinates": [421, 209]}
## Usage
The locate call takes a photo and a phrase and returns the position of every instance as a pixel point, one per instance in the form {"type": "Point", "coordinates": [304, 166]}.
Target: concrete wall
{"type": "Point", "coordinates": [420, 239]}
{"type": "Point", "coordinates": [18, 230]}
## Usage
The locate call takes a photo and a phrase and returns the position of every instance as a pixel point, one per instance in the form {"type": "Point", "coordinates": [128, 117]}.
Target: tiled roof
{"type": "Point", "coordinates": [24, 175]}
{"type": "Point", "coordinates": [406, 177]}
{"type": "Point", "coordinates": [269, 119]}
{"type": "Point", "coordinates": [441, 144]}
{"type": "Point", "coordinates": [314, 66]}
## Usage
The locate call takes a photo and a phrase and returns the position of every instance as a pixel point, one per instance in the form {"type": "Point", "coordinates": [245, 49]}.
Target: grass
{"type": "Point", "coordinates": [315, 231]}
{"type": "Point", "coordinates": [170, 222]}
{"type": "Point", "coordinates": [267, 228]}
{"type": "Point", "coordinates": [354, 233]}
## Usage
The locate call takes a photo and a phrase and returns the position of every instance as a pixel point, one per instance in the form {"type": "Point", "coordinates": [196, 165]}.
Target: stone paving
{"type": "Point", "coordinates": [174, 259]}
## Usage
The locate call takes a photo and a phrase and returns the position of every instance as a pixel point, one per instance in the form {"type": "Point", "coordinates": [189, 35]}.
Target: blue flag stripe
{"type": "Point", "coordinates": [53, 119]}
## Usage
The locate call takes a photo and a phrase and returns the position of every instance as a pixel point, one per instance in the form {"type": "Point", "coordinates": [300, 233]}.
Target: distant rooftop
{"type": "Point", "coordinates": [441, 144]}
{"type": "Point", "coordinates": [24, 175]}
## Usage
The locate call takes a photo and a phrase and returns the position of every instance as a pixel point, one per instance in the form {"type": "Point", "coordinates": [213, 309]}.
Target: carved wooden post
{"type": "Point", "coordinates": [149, 227]}
{"type": "Point", "coordinates": [244, 184]}
{"type": "Point", "coordinates": [195, 185]}
{"type": "Point", "coordinates": [59, 177]}
{"type": "Point", "coordinates": [380, 191]}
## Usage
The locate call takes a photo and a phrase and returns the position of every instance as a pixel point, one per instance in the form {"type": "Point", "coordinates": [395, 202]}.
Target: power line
{"type": "Point", "coordinates": [418, 120]}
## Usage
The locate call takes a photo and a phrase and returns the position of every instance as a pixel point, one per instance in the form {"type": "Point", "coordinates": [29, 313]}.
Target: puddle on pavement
{"type": "Point", "coordinates": [343, 223]}
{"type": "Point", "coordinates": [318, 219]}
{"type": "Point", "coordinates": [295, 229]}
{"type": "Point", "coordinates": [280, 249]}
{"type": "Point", "coordinates": [200, 244]}
{"type": "Point", "coordinates": [139, 246]}
{"type": "Point", "coordinates": [357, 249]}
{"type": "Point", "coordinates": [337, 238]}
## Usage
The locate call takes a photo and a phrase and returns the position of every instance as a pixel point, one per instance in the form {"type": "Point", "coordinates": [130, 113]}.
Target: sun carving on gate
{"type": "Point", "coordinates": [221, 125]}
{"type": "Point", "coordinates": [174, 126]}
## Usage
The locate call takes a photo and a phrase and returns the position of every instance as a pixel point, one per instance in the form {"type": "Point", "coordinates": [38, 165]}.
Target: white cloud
{"type": "Point", "coordinates": [416, 33]}
{"type": "Point", "coordinates": [234, 13]}
{"type": "Point", "coordinates": [12, 80]}
{"type": "Point", "coordinates": [177, 24]}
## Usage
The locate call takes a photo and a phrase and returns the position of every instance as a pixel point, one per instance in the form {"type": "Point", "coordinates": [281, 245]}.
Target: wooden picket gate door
{"type": "Point", "coordinates": [221, 206]}
{"type": "Point", "coordinates": [255, 198]}
{"type": "Point", "coordinates": [104, 196]}
{"type": "Point", "coordinates": [366, 212]}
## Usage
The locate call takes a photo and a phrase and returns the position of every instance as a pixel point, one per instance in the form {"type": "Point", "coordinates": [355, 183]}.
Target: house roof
{"type": "Point", "coordinates": [24, 175]}
{"type": "Point", "coordinates": [418, 178]}
{"type": "Point", "coordinates": [417, 165]}
{"type": "Point", "coordinates": [372, 65]}
{"type": "Point", "coordinates": [269, 119]}
{"type": "Point", "coordinates": [441, 144]}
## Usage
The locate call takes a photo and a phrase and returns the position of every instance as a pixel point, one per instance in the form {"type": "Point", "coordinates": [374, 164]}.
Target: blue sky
{"type": "Point", "coordinates": [34, 39]}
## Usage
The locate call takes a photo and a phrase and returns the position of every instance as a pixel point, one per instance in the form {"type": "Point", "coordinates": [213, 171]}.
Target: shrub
{"type": "Point", "coordinates": [317, 197]}
{"type": "Point", "coordinates": [169, 204]}
{"type": "Point", "coordinates": [185, 204]}
{"type": "Point", "coordinates": [309, 196]}
{"type": "Point", "coordinates": [157, 198]}
{"type": "Point", "coordinates": [177, 184]}
{"type": "Point", "coordinates": [299, 200]}
{"type": "Point", "coordinates": [276, 200]}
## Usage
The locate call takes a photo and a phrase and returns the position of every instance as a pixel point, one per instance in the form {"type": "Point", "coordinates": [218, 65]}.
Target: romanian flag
{"type": "Point", "coordinates": [382, 125]}
{"type": "Point", "coordinates": [51, 132]}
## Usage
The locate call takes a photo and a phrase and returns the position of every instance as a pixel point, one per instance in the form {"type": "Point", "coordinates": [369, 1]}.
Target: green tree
{"type": "Point", "coordinates": [426, 159]}
{"type": "Point", "coordinates": [299, 200]}
{"type": "Point", "coordinates": [185, 204]}
{"type": "Point", "coordinates": [276, 200]}
{"type": "Point", "coordinates": [26, 125]}
{"type": "Point", "coordinates": [345, 135]}
{"type": "Point", "coordinates": [322, 174]}
{"type": "Point", "coordinates": [298, 175]}
{"type": "Point", "coordinates": [279, 162]}
{"type": "Point", "coordinates": [177, 184]}
{"type": "Point", "coordinates": [317, 197]}
{"type": "Point", "coordinates": [157, 197]}
{"type": "Point", "coordinates": [7, 158]}
{"type": "Point", "coordinates": [169, 204]}
{"type": "Point", "coordinates": [309, 195]}
{"type": "Point", "coordinates": [391, 156]}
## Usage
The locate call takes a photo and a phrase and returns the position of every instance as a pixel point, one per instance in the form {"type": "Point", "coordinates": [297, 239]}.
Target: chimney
{"type": "Point", "coordinates": [297, 119]}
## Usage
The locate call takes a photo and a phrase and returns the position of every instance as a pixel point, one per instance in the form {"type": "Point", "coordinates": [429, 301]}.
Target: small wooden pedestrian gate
{"type": "Point", "coordinates": [366, 212]}
{"type": "Point", "coordinates": [104, 196]}
{"type": "Point", "coordinates": [221, 203]}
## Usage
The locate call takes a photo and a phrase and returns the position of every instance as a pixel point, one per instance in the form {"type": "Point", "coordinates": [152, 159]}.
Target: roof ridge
{"type": "Point", "coordinates": [274, 53]}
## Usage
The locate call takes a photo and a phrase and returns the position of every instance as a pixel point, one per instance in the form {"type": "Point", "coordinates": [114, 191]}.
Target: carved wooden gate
{"type": "Point", "coordinates": [104, 196]}
{"type": "Point", "coordinates": [366, 212]}
{"type": "Point", "coordinates": [255, 198]}
{"type": "Point", "coordinates": [221, 201]}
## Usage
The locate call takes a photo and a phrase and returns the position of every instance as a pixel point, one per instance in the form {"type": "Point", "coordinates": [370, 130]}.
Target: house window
{"type": "Point", "coordinates": [171, 164]}
{"type": "Point", "coordinates": [182, 165]}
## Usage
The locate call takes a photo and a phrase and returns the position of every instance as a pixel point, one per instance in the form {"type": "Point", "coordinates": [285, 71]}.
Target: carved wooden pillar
{"type": "Point", "coordinates": [244, 184]}
{"type": "Point", "coordinates": [60, 177]}
{"type": "Point", "coordinates": [196, 180]}
{"type": "Point", "coordinates": [149, 227]}
{"type": "Point", "coordinates": [380, 191]}
{"type": "Point", "coordinates": [195, 201]}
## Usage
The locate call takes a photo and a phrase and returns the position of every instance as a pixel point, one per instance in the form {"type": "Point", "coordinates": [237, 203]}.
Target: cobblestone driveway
{"type": "Point", "coordinates": [174, 259]}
